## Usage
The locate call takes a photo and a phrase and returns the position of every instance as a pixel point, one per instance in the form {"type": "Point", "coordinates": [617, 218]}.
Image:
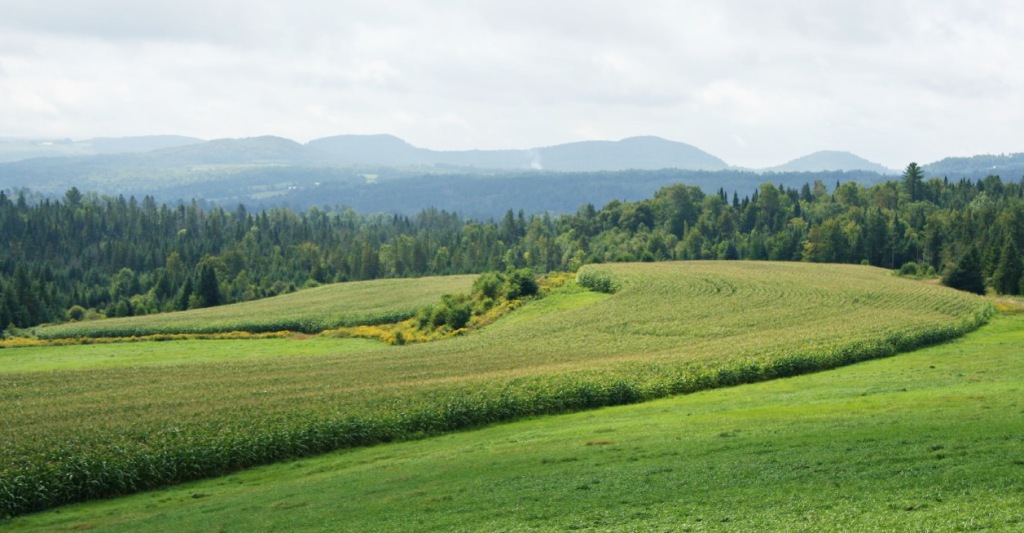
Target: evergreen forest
{"type": "Point", "coordinates": [84, 256]}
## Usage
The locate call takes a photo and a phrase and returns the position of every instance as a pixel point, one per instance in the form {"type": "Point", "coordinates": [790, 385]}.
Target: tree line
{"type": "Point", "coordinates": [86, 255]}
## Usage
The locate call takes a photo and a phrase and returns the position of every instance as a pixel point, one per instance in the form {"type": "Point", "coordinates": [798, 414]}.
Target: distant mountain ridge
{"type": "Point", "coordinates": [830, 160]}
{"type": "Point", "coordinates": [146, 143]}
{"type": "Point", "coordinates": [382, 150]}
{"type": "Point", "coordinates": [247, 151]}
{"type": "Point", "coordinates": [634, 153]}
{"type": "Point", "coordinates": [20, 149]}
{"type": "Point", "coordinates": [383, 173]}
{"type": "Point", "coordinates": [1007, 166]}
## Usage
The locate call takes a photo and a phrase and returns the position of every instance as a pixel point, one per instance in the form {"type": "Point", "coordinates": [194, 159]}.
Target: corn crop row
{"type": "Point", "coordinates": [73, 440]}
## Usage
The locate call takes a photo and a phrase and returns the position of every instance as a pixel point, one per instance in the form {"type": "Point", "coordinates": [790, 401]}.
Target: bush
{"type": "Point", "coordinates": [487, 286]}
{"type": "Point", "coordinates": [909, 269]}
{"type": "Point", "coordinates": [597, 281]}
{"type": "Point", "coordinates": [491, 292]}
{"type": "Point", "coordinates": [76, 313]}
{"type": "Point", "coordinates": [453, 312]}
{"type": "Point", "coordinates": [912, 269]}
{"type": "Point", "coordinates": [519, 283]}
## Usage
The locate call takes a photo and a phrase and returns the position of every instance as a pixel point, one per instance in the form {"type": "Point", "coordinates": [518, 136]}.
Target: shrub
{"type": "Point", "coordinates": [597, 281]}
{"type": "Point", "coordinates": [913, 269]}
{"type": "Point", "coordinates": [76, 313]}
{"type": "Point", "coordinates": [457, 313]}
{"type": "Point", "coordinates": [909, 269]}
{"type": "Point", "coordinates": [487, 285]}
{"type": "Point", "coordinates": [519, 283]}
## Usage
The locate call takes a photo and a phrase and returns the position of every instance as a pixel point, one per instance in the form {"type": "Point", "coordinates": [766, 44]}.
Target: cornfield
{"type": "Point", "coordinates": [670, 328]}
{"type": "Point", "coordinates": [307, 311]}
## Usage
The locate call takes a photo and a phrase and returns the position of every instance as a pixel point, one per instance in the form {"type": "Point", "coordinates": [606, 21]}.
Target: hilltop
{"type": "Point", "coordinates": [826, 160]}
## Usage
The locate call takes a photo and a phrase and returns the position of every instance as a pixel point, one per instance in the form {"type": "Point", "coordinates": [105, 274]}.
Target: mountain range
{"type": "Point", "coordinates": [633, 153]}
{"type": "Point", "coordinates": [382, 173]}
{"type": "Point", "coordinates": [19, 149]}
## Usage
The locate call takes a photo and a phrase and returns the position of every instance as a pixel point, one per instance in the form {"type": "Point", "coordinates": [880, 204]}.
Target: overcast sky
{"type": "Point", "coordinates": [755, 83]}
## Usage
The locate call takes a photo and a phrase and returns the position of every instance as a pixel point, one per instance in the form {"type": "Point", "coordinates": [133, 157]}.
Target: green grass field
{"type": "Point", "coordinates": [309, 311]}
{"type": "Point", "coordinates": [927, 441]}
{"type": "Point", "coordinates": [673, 328]}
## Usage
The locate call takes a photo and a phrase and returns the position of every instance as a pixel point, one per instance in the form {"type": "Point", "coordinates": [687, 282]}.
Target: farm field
{"type": "Point", "coordinates": [927, 441]}
{"type": "Point", "coordinates": [309, 310]}
{"type": "Point", "coordinates": [136, 354]}
{"type": "Point", "coordinates": [672, 328]}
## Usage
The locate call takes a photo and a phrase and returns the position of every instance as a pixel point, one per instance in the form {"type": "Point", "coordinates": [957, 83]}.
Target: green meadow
{"type": "Point", "coordinates": [931, 440]}
{"type": "Point", "coordinates": [89, 432]}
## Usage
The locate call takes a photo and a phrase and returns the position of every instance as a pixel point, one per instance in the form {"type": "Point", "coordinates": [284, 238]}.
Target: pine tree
{"type": "Point", "coordinates": [913, 182]}
{"type": "Point", "coordinates": [5, 309]}
{"type": "Point", "coordinates": [966, 275]}
{"type": "Point", "coordinates": [1007, 276]}
{"type": "Point", "coordinates": [208, 289]}
{"type": "Point", "coordinates": [184, 296]}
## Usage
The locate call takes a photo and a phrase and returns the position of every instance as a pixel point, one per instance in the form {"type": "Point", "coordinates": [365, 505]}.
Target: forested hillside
{"type": "Point", "coordinates": [86, 255]}
{"type": "Point", "coordinates": [978, 166]}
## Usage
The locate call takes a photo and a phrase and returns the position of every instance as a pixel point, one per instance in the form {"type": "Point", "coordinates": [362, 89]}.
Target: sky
{"type": "Point", "coordinates": [754, 83]}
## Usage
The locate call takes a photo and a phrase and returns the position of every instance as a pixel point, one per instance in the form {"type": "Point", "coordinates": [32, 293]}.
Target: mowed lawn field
{"type": "Point", "coordinates": [672, 328]}
{"type": "Point", "coordinates": [932, 440]}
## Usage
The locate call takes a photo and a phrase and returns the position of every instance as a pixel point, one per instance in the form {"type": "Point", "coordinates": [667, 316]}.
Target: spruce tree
{"type": "Point", "coordinates": [1007, 275]}
{"type": "Point", "coordinates": [966, 275]}
{"type": "Point", "coordinates": [5, 309]}
{"type": "Point", "coordinates": [184, 296]}
{"type": "Point", "coordinates": [913, 182]}
{"type": "Point", "coordinates": [208, 288]}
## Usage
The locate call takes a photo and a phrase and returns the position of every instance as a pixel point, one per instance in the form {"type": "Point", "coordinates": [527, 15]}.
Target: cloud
{"type": "Point", "coordinates": [889, 80]}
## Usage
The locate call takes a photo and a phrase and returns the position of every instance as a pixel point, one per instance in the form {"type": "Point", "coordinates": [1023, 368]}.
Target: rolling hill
{"type": "Point", "coordinates": [927, 441]}
{"type": "Point", "coordinates": [1007, 166]}
{"type": "Point", "coordinates": [830, 160]}
{"type": "Point", "coordinates": [85, 433]}
{"type": "Point", "coordinates": [634, 153]}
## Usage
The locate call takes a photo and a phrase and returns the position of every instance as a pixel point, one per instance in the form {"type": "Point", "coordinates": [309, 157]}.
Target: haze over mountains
{"type": "Point", "coordinates": [830, 160]}
{"type": "Point", "coordinates": [633, 153]}
{"type": "Point", "coordinates": [382, 173]}
{"type": "Point", "coordinates": [19, 149]}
